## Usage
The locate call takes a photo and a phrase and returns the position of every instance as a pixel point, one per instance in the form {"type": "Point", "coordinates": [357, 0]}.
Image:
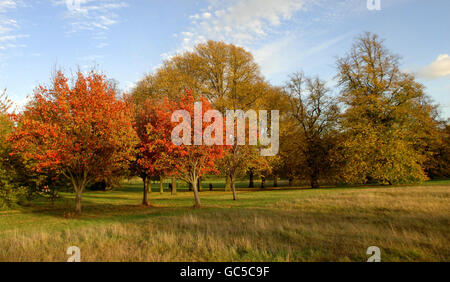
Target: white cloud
{"type": "Point", "coordinates": [7, 4]}
{"type": "Point", "coordinates": [251, 22]}
{"type": "Point", "coordinates": [9, 26]}
{"type": "Point", "coordinates": [187, 34]}
{"type": "Point", "coordinates": [95, 16]}
{"type": "Point", "coordinates": [195, 17]}
{"type": "Point", "coordinates": [206, 15]}
{"type": "Point", "coordinates": [271, 57]}
{"type": "Point", "coordinates": [437, 69]}
{"type": "Point", "coordinates": [274, 31]}
{"type": "Point", "coordinates": [239, 21]}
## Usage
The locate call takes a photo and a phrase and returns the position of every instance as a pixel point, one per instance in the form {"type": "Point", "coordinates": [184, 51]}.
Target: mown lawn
{"type": "Point", "coordinates": [408, 223]}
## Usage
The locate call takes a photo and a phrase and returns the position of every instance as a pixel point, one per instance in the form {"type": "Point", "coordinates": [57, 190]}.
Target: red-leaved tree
{"type": "Point", "coordinates": [192, 161]}
{"type": "Point", "coordinates": [83, 132]}
{"type": "Point", "coordinates": [154, 152]}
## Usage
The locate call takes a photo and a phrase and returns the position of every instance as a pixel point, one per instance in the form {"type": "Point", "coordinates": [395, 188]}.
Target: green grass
{"type": "Point", "coordinates": [408, 223]}
{"type": "Point", "coordinates": [218, 184]}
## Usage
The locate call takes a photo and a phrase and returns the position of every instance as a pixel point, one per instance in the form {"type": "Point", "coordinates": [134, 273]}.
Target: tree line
{"type": "Point", "coordinates": [377, 126]}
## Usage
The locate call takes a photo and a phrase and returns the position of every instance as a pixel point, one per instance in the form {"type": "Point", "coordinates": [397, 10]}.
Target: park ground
{"type": "Point", "coordinates": [408, 223]}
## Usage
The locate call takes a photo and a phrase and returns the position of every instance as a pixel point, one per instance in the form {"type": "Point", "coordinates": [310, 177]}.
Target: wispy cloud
{"type": "Point", "coordinates": [437, 69]}
{"type": "Point", "coordinates": [9, 26]}
{"type": "Point", "coordinates": [271, 30]}
{"type": "Point", "coordinates": [240, 22]}
{"type": "Point", "coordinates": [284, 54]}
{"type": "Point", "coordinates": [94, 16]}
{"type": "Point", "coordinates": [7, 4]}
{"type": "Point", "coordinates": [90, 61]}
{"type": "Point", "coordinates": [245, 22]}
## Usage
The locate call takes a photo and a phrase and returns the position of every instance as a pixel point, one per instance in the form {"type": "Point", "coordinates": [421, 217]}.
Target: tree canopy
{"type": "Point", "coordinates": [387, 118]}
{"type": "Point", "coordinates": [81, 132]}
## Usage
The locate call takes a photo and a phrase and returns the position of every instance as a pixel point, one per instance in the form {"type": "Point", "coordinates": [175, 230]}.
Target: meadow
{"type": "Point", "coordinates": [408, 223]}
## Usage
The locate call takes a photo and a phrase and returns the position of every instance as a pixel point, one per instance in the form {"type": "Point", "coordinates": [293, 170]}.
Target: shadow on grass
{"type": "Point", "coordinates": [102, 205]}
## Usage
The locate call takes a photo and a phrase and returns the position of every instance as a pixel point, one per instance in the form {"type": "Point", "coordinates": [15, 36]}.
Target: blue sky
{"type": "Point", "coordinates": [129, 38]}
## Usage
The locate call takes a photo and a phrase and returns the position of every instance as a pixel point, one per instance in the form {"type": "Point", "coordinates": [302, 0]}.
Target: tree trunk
{"type": "Point", "coordinates": [145, 198]}
{"type": "Point", "coordinates": [199, 182]}
{"type": "Point", "coordinates": [174, 186]}
{"type": "Point", "coordinates": [161, 184]}
{"type": "Point", "coordinates": [190, 186]}
{"type": "Point", "coordinates": [291, 182]}
{"type": "Point", "coordinates": [263, 181]}
{"type": "Point", "coordinates": [252, 183]}
{"type": "Point", "coordinates": [233, 187]}
{"type": "Point", "coordinates": [314, 182]}
{"type": "Point", "coordinates": [196, 194]}
{"type": "Point", "coordinates": [78, 198]}
{"type": "Point", "coordinates": [227, 183]}
{"type": "Point", "coordinates": [275, 180]}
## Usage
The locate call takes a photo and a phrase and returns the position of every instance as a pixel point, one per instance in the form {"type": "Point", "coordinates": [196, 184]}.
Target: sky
{"type": "Point", "coordinates": [127, 39]}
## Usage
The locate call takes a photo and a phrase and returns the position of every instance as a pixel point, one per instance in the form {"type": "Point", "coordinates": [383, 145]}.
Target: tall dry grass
{"type": "Point", "coordinates": [408, 224]}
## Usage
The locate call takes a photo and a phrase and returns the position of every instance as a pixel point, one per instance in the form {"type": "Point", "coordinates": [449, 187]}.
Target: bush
{"type": "Point", "coordinates": [107, 184]}
{"type": "Point", "coordinates": [10, 193]}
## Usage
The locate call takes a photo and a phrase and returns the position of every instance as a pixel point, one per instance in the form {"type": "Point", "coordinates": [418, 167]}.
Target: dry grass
{"type": "Point", "coordinates": [407, 223]}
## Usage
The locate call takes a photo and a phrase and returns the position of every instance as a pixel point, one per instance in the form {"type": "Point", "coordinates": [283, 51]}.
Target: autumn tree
{"type": "Point", "coordinates": [314, 115]}
{"type": "Point", "coordinates": [275, 98]}
{"type": "Point", "coordinates": [82, 131]}
{"type": "Point", "coordinates": [225, 74]}
{"type": "Point", "coordinates": [289, 166]}
{"type": "Point", "coordinates": [438, 164]}
{"type": "Point", "coordinates": [17, 179]}
{"type": "Point", "coordinates": [388, 118]}
{"type": "Point", "coordinates": [8, 189]}
{"type": "Point", "coordinates": [153, 127]}
{"type": "Point", "coordinates": [236, 161]}
{"type": "Point", "coordinates": [5, 103]}
{"type": "Point", "coordinates": [6, 124]}
{"type": "Point", "coordinates": [195, 160]}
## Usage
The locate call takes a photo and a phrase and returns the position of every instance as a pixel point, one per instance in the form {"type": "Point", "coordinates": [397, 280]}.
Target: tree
{"type": "Point", "coordinates": [193, 161]}
{"type": "Point", "coordinates": [388, 120]}
{"type": "Point", "coordinates": [82, 132]}
{"type": "Point", "coordinates": [236, 161]}
{"type": "Point", "coordinates": [274, 99]}
{"type": "Point", "coordinates": [225, 74]}
{"type": "Point", "coordinates": [153, 127]}
{"type": "Point", "coordinates": [438, 164]}
{"type": "Point", "coordinates": [313, 127]}
{"type": "Point", "coordinates": [6, 125]}
{"type": "Point", "coordinates": [258, 166]}
{"type": "Point", "coordinates": [5, 103]}
{"type": "Point", "coordinates": [289, 166]}
{"type": "Point", "coordinates": [8, 189]}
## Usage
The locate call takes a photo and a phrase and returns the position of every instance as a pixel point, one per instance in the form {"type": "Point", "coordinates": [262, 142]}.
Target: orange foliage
{"type": "Point", "coordinates": [82, 132]}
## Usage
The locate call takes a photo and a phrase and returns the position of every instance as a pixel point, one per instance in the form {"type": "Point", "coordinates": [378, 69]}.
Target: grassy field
{"type": "Point", "coordinates": [408, 223]}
